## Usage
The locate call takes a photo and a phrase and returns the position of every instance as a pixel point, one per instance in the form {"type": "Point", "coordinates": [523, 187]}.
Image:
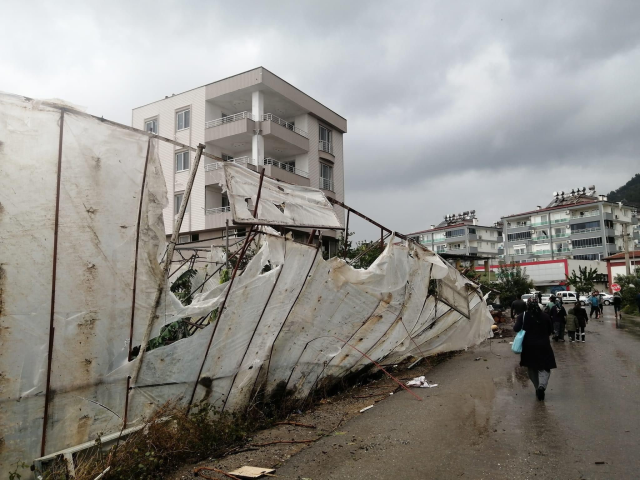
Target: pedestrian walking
{"type": "Point", "coordinates": [617, 305]}
{"type": "Point", "coordinates": [572, 324]}
{"type": "Point", "coordinates": [537, 354]}
{"type": "Point", "coordinates": [582, 319]}
{"type": "Point", "coordinates": [601, 305]}
{"type": "Point", "coordinates": [560, 320]}
{"type": "Point", "coordinates": [518, 306]}
{"type": "Point", "coordinates": [593, 301]}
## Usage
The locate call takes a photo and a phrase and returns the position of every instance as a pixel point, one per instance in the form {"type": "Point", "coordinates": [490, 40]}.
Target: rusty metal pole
{"type": "Point", "coordinates": [311, 235]}
{"type": "Point", "coordinates": [346, 235]}
{"type": "Point", "coordinates": [224, 301]}
{"type": "Point", "coordinates": [226, 234]}
{"type": "Point", "coordinates": [167, 262]}
{"type": "Point", "coordinates": [47, 395]}
{"type": "Point", "coordinates": [381, 241]}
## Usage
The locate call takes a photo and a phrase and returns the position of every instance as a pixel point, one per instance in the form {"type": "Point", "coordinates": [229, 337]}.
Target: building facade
{"type": "Point", "coordinates": [580, 225]}
{"type": "Point", "coordinates": [460, 234]}
{"type": "Point", "coordinates": [254, 119]}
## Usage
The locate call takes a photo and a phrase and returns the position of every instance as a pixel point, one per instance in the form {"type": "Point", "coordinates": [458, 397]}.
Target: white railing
{"type": "Point", "coordinates": [215, 211]}
{"type": "Point", "coordinates": [243, 161]}
{"type": "Point", "coordinates": [326, 184]}
{"type": "Point", "coordinates": [270, 117]}
{"type": "Point", "coordinates": [325, 146]}
{"type": "Point", "coordinates": [590, 213]}
{"type": "Point", "coordinates": [229, 119]}
{"type": "Point", "coordinates": [585, 230]}
{"type": "Point", "coordinates": [286, 166]}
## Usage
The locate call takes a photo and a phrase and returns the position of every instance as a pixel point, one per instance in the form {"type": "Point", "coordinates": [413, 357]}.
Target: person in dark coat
{"type": "Point", "coordinates": [518, 306]}
{"type": "Point", "coordinates": [582, 318]}
{"type": "Point", "coordinates": [537, 354]}
{"type": "Point", "coordinates": [559, 320]}
{"type": "Point", "coordinates": [617, 305]}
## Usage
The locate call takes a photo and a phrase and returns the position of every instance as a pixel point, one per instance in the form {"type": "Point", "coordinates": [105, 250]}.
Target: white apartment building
{"type": "Point", "coordinates": [578, 225]}
{"type": "Point", "coordinates": [254, 119]}
{"type": "Point", "coordinates": [460, 235]}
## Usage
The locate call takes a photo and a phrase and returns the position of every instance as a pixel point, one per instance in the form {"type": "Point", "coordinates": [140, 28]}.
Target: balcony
{"type": "Point", "coordinates": [233, 133]}
{"type": "Point", "coordinates": [588, 213]}
{"type": "Point", "coordinates": [325, 146]}
{"type": "Point", "coordinates": [539, 224]}
{"type": "Point", "coordinates": [541, 252]}
{"type": "Point", "coordinates": [217, 217]}
{"type": "Point", "coordinates": [270, 117]}
{"type": "Point", "coordinates": [286, 166]}
{"type": "Point", "coordinates": [326, 184]}
{"type": "Point", "coordinates": [281, 138]}
{"type": "Point", "coordinates": [229, 119]}
{"type": "Point", "coordinates": [286, 172]}
{"type": "Point", "coordinates": [560, 220]}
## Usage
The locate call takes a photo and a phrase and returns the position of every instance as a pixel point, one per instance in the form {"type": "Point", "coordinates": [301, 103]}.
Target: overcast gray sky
{"type": "Point", "coordinates": [452, 106]}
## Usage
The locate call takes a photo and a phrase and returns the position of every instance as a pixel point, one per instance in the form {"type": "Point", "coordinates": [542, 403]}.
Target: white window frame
{"type": "Point", "coordinates": [176, 204]}
{"type": "Point", "coordinates": [324, 181]}
{"type": "Point", "coordinates": [154, 121]}
{"type": "Point", "coordinates": [183, 115]}
{"type": "Point", "coordinates": [182, 154]}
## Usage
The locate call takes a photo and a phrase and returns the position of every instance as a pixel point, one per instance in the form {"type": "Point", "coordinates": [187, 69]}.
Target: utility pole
{"type": "Point", "coordinates": [226, 235]}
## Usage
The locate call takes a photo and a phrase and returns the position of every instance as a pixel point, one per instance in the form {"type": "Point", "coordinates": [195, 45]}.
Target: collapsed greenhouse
{"type": "Point", "coordinates": [85, 272]}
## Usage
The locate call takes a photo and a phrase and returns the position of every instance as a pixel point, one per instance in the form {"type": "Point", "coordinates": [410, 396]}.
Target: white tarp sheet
{"type": "Point", "coordinates": [280, 203]}
{"type": "Point", "coordinates": [292, 321]}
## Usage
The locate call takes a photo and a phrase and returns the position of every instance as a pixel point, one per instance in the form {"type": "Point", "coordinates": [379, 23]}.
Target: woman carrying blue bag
{"type": "Point", "coordinates": [537, 354]}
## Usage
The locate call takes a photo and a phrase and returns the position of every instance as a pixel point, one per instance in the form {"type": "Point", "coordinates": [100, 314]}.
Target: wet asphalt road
{"type": "Point", "coordinates": [483, 420]}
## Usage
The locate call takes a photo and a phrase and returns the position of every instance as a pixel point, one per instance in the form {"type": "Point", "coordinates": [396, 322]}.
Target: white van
{"type": "Point", "coordinates": [567, 297]}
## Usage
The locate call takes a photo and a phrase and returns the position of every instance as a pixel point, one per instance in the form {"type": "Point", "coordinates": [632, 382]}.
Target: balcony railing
{"type": "Point", "coordinates": [562, 250]}
{"type": "Point", "coordinates": [270, 117]}
{"type": "Point", "coordinates": [326, 184]}
{"type": "Point", "coordinates": [229, 119]}
{"type": "Point", "coordinates": [586, 230]}
{"type": "Point", "coordinates": [541, 252]}
{"type": "Point", "coordinates": [238, 161]}
{"type": "Point", "coordinates": [217, 210]}
{"type": "Point", "coordinates": [538, 224]}
{"type": "Point", "coordinates": [589, 213]}
{"type": "Point", "coordinates": [325, 146]}
{"type": "Point", "coordinates": [560, 220]}
{"type": "Point", "coordinates": [286, 166]}
{"type": "Point", "coordinates": [542, 237]}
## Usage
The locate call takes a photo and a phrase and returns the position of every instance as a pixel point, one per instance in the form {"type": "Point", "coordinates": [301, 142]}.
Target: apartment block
{"type": "Point", "coordinates": [461, 235]}
{"type": "Point", "coordinates": [256, 120]}
{"type": "Point", "coordinates": [579, 225]}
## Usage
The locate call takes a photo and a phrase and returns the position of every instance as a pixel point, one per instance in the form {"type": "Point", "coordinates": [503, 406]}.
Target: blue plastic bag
{"type": "Point", "coordinates": [517, 342]}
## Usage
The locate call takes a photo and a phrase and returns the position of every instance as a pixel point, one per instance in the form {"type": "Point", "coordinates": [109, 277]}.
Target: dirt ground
{"type": "Point", "coordinates": [328, 417]}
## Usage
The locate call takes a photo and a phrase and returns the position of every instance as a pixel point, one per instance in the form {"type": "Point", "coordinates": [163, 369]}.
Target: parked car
{"type": "Point", "coordinates": [607, 299]}
{"type": "Point", "coordinates": [527, 296]}
{"type": "Point", "coordinates": [567, 296]}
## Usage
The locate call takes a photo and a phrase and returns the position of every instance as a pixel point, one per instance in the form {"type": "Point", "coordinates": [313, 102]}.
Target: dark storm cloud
{"type": "Point", "coordinates": [440, 96]}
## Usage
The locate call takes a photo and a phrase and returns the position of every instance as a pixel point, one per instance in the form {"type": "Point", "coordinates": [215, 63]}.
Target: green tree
{"type": "Point", "coordinates": [584, 281]}
{"type": "Point", "coordinates": [630, 287]}
{"type": "Point", "coordinates": [363, 254]}
{"type": "Point", "coordinates": [511, 282]}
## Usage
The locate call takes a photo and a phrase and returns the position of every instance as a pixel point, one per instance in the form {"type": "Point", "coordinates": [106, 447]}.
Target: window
{"type": "Point", "coordinates": [225, 200]}
{"type": "Point", "coordinates": [326, 177]}
{"type": "Point", "coordinates": [183, 119]}
{"type": "Point", "coordinates": [177, 201]}
{"type": "Point", "coordinates": [182, 161]}
{"type": "Point", "coordinates": [608, 224]}
{"type": "Point", "coordinates": [590, 256]}
{"type": "Point", "coordinates": [521, 223]}
{"type": "Point", "coordinates": [226, 158]}
{"type": "Point", "coordinates": [194, 237]}
{"type": "Point", "coordinates": [325, 134]}
{"type": "Point", "coordinates": [514, 237]}
{"type": "Point", "coordinates": [585, 227]}
{"type": "Point", "coordinates": [611, 240]}
{"type": "Point", "coordinates": [151, 126]}
{"type": "Point", "coordinates": [459, 232]}
{"type": "Point", "coordinates": [520, 250]}
{"type": "Point", "coordinates": [587, 242]}
{"type": "Point", "coordinates": [472, 230]}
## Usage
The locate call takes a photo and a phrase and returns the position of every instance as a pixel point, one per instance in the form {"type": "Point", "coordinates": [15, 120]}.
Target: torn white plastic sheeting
{"type": "Point", "coordinates": [280, 203]}
{"type": "Point", "coordinates": [421, 382]}
{"type": "Point", "coordinates": [292, 321]}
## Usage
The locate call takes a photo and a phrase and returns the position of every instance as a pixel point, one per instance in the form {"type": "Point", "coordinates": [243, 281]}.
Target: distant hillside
{"type": "Point", "coordinates": [629, 193]}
